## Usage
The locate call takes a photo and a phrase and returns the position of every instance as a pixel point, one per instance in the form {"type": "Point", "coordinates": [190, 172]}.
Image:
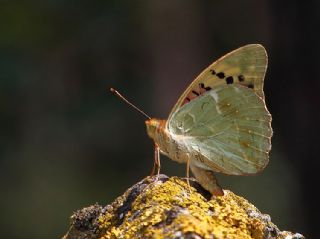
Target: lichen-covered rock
{"type": "Point", "coordinates": [167, 208]}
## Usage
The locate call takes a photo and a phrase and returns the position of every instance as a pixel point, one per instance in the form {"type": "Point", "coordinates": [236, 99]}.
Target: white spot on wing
{"type": "Point", "coordinates": [216, 99]}
{"type": "Point", "coordinates": [214, 95]}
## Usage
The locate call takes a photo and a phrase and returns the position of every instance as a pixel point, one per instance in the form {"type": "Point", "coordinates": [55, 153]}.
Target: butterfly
{"type": "Point", "coordinates": [220, 123]}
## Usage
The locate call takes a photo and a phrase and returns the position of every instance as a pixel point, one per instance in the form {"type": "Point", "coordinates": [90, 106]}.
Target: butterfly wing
{"type": "Point", "coordinates": [244, 66]}
{"type": "Point", "coordinates": [227, 129]}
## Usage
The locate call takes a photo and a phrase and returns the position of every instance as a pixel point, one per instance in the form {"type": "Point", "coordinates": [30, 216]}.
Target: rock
{"type": "Point", "coordinates": [168, 208]}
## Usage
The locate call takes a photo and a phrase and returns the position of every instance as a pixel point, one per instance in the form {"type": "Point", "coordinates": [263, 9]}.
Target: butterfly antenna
{"type": "Point", "coordinates": [128, 102]}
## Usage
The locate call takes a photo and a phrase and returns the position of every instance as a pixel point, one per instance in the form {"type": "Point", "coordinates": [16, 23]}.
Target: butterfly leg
{"type": "Point", "coordinates": [208, 180]}
{"type": "Point", "coordinates": [157, 153]}
{"type": "Point", "coordinates": [156, 164]}
{"type": "Point", "coordinates": [188, 175]}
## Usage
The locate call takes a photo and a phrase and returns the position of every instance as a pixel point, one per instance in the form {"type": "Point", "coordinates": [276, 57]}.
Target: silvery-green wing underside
{"type": "Point", "coordinates": [244, 66]}
{"type": "Point", "coordinates": [227, 129]}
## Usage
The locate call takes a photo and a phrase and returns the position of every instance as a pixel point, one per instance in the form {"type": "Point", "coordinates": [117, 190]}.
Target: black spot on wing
{"type": "Point", "coordinates": [229, 80]}
{"type": "Point", "coordinates": [213, 72]}
{"type": "Point", "coordinates": [202, 86]}
{"type": "Point", "coordinates": [251, 86]}
{"type": "Point", "coordinates": [241, 78]}
{"type": "Point", "coordinates": [221, 75]}
{"type": "Point", "coordinates": [196, 93]}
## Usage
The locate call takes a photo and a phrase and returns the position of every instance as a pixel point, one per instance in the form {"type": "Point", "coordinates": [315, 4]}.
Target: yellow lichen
{"type": "Point", "coordinates": [221, 217]}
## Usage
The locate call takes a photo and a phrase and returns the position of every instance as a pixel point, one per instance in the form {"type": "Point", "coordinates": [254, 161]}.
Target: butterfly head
{"type": "Point", "coordinates": [154, 125]}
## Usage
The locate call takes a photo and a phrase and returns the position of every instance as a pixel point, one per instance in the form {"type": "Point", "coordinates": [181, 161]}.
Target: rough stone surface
{"type": "Point", "coordinates": [168, 208]}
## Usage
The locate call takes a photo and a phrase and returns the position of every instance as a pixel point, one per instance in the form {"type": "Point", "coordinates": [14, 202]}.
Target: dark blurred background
{"type": "Point", "coordinates": [66, 142]}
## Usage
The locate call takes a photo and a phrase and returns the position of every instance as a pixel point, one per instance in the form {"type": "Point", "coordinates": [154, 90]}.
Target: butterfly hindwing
{"type": "Point", "coordinates": [227, 129]}
{"type": "Point", "coordinates": [244, 66]}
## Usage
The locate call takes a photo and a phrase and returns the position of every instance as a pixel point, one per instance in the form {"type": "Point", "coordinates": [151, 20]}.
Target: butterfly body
{"type": "Point", "coordinates": [176, 149]}
{"type": "Point", "coordinates": [220, 123]}
{"type": "Point", "coordinates": [172, 147]}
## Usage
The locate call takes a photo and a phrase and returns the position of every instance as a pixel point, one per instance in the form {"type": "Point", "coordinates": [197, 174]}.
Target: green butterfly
{"type": "Point", "coordinates": [220, 123]}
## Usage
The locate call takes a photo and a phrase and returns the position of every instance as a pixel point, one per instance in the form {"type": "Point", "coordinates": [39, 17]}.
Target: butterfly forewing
{"type": "Point", "coordinates": [244, 66]}
{"type": "Point", "coordinates": [227, 129]}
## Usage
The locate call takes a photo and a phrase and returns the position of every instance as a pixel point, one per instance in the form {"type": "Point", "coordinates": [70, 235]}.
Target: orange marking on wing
{"type": "Point", "coordinates": [194, 93]}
